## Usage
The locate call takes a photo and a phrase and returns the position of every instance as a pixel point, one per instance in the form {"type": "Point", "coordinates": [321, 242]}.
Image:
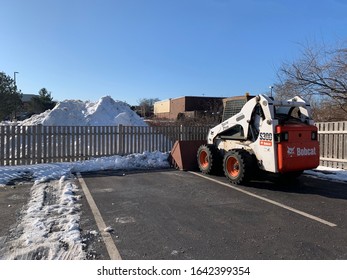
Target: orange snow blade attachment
{"type": "Point", "coordinates": [183, 155]}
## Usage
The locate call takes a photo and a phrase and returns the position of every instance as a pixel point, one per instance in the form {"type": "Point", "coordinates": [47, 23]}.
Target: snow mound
{"type": "Point", "coordinates": [106, 112]}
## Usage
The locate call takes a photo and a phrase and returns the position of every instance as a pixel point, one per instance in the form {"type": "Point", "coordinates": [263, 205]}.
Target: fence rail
{"type": "Point", "coordinates": [42, 144]}
{"type": "Point", "coordinates": [332, 138]}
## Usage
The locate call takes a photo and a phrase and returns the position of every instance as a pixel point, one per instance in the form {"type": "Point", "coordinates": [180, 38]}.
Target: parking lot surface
{"type": "Point", "coordinates": [169, 214]}
{"type": "Point", "coordinates": [12, 200]}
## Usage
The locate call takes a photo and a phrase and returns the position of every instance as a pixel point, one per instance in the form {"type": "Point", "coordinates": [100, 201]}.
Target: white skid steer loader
{"type": "Point", "coordinates": [274, 136]}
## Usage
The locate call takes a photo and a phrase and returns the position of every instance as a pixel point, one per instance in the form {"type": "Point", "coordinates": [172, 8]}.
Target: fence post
{"type": "Point", "coordinates": [39, 143]}
{"type": "Point", "coordinates": [121, 139]}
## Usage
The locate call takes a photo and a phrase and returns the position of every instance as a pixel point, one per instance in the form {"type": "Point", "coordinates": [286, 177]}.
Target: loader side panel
{"type": "Point", "coordinates": [297, 147]}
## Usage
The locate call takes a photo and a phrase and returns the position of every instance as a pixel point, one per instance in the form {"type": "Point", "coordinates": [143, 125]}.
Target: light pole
{"type": "Point", "coordinates": [271, 87]}
{"type": "Point", "coordinates": [14, 80]}
{"type": "Point", "coordinates": [14, 77]}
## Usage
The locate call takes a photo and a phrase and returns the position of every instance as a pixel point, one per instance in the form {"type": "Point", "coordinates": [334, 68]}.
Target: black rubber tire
{"type": "Point", "coordinates": [238, 165]}
{"type": "Point", "coordinates": [209, 159]}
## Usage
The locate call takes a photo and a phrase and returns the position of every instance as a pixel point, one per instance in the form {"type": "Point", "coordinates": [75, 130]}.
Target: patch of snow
{"type": "Point", "coordinates": [93, 232]}
{"type": "Point", "coordinates": [328, 173]}
{"type": "Point", "coordinates": [108, 229]}
{"type": "Point", "coordinates": [49, 227]}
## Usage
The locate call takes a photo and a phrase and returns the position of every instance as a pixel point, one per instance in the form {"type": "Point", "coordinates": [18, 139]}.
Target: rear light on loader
{"type": "Point", "coordinates": [285, 136]}
{"type": "Point", "coordinates": [280, 137]}
{"type": "Point", "coordinates": [314, 135]}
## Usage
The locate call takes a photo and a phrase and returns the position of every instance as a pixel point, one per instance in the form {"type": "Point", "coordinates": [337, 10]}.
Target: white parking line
{"type": "Point", "coordinates": [106, 236]}
{"type": "Point", "coordinates": [268, 200]}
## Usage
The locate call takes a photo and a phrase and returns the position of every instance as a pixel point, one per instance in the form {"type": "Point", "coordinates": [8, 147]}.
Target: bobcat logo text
{"type": "Point", "coordinates": [301, 152]}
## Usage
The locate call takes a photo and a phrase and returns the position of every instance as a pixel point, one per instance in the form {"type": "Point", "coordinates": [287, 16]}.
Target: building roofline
{"type": "Point", "coordinates": [193, 96]}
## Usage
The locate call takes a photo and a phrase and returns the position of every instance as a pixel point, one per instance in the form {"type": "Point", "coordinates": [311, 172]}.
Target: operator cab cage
{"type": "Point", "coordinates": [233, 105]}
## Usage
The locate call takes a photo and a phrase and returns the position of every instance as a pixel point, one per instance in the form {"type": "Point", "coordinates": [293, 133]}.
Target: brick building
{"type": "Point", "coordinates": [188, 106]}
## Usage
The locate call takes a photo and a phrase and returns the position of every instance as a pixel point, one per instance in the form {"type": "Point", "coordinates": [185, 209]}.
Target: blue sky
{"type": "Point", "coordinates": [133, 49]}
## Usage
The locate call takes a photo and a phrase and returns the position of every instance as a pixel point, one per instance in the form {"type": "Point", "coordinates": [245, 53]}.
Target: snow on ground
{"type": "Point", "coordinates": [49, 225]}
{"type": "Point", "coordinates": [328, 173]}
{"type": "Point", "coordinates": [106, 111]}
{"type": "Point", "coordinates": [54, 171]}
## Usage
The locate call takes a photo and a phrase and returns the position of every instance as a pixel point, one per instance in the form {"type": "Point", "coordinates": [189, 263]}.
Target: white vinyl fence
{"type": "Point", "coordinates": [41, 144]}
{"type": "Point", "coordinates": [332, 138]}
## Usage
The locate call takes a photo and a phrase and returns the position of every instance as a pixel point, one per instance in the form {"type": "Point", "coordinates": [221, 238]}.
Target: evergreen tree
{"type": "Point", "coordinates": [10, 96]}
{"type": "Point", "coordinates": [41, 103]}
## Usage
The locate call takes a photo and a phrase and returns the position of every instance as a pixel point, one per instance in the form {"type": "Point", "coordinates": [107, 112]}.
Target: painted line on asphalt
{"type": "Point", "coordinates": [106, 236]}
{"type": "Point", "coordinates": [312, 217]}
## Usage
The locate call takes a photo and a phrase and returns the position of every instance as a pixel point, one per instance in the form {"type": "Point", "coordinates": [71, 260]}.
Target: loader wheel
{"type": "Point", "coordinates": [209, 160]}
{"type": "Point", "coordinates": [238, 165]}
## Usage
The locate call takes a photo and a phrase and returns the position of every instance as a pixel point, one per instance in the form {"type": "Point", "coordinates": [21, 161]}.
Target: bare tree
{"type": "Point", "coordinates": [320, 75]}
{"type": "Point", "coordinates": [146, 105]}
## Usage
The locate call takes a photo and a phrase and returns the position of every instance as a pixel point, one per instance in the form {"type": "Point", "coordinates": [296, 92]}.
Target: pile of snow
{"type": "Point", "coordinates": [106, 111]}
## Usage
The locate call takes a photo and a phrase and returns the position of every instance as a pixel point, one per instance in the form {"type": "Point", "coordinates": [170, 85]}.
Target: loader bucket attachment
{"type": "Point", "coordinates": [183, 154]}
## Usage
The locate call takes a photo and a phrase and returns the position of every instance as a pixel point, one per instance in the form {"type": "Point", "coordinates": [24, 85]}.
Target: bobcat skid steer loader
{"type": "Point", "coordinates": [274, 136]}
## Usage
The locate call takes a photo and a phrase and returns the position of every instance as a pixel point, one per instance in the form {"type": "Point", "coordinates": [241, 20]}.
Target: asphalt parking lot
{"type": "Point", "coordinates": [170, 214]}
{"type": "Point", "coordinates": [12, 200]}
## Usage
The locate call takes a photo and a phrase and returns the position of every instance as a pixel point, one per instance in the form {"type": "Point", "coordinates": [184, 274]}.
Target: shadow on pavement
{"type": "Point", "coordinates": [122, 172]}
{"type": "Point", "coordinates": [303, 185]}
